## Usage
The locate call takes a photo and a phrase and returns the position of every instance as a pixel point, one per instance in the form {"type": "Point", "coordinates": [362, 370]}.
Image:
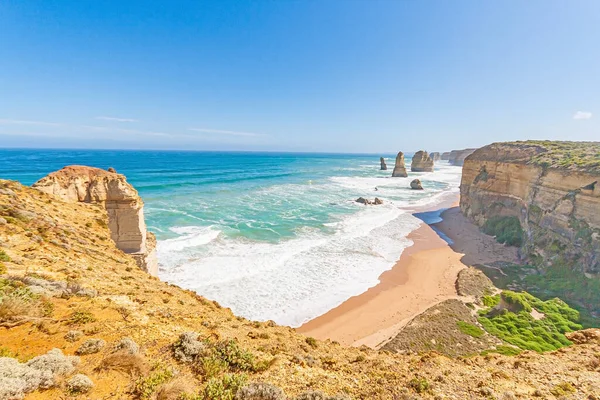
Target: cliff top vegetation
{"type": "Point", "coordinates": [576, 156]}
{"type": "Point", "coordinates": [64, 285]}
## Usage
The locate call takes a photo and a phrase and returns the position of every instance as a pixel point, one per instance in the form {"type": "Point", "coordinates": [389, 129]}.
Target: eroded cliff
{"type": "Point", "coordinates": [123, 205]}
{"type": "Point", "coordinates": [552, 188]}
{"type": "Point", "coordinates": [65, 285]}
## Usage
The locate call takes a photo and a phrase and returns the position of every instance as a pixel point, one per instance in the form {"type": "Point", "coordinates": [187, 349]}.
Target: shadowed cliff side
{"type": "Point", "coordinates": [549, 190]}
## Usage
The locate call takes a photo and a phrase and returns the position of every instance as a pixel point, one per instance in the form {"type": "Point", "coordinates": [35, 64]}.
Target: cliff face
{"type": "Point", "coordinates": [123, 205]}
{"type": "Point", "coordinates": [457, 157]}
{"type": "Point", "coordinates": [552, 188]}
{"type": "Point", "coordinates": [421, 162]}
{"type": "Point", "coordinates": [445, 156]}
{"type": "Point", "coordinates": [47, 244]}
{"type": "Point", "coordinates": [399, 167]}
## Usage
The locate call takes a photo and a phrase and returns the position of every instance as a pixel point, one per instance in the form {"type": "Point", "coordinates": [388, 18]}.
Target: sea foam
{"type": "Point", "coordinates": [295, 279]}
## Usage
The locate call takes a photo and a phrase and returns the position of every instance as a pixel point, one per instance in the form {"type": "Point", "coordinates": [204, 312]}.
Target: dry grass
{"type": "Point", "coordinates": [175, 389]}
{"type": "Point", "coordinates": [132, 364]}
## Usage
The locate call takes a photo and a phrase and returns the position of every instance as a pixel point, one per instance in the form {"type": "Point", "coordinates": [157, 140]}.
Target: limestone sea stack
{"type": "Point", "coordinates": [416, 184]}
{"type": "Point", "coordinates": [383, 165]}
{"type": "Point", "coordinates": [399, 167]}
{"type": "Point", "coordinates": [421, 162]}
{"type": "Point", "coordinates": [446, 156]}
{"type": "Point", "coordinates": [123, 205]}
{"type": "Point", "coordinates": [435, 156]}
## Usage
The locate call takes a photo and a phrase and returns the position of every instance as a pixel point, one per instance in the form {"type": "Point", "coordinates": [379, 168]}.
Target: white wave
{"type": "Point", "coordinates": [294, 280]}
{"type": "Point", "coordinates": [191, 236]}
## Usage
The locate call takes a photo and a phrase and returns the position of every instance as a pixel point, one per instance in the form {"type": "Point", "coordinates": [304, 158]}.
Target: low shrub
{"type": "Point", "coordinates": [507, 230]}
{"type": "Point", "coordinates": [516, 325]}
{"type": "Point", "coordinates": [145, 386]}
{"type": "Point", "coordinates": [470, 329]}
{"type": "Point", "coordinates": [4, 257]}
{"type": "Point", "coordinates": [419, 384]}
{"type": "Point", "coordinates": [225, 387]}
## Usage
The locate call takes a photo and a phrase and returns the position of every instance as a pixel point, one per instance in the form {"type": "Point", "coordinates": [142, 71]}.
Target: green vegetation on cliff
{"type": "Point", "coordinates": [530, 323]}
{"type": "Point", "coordinates": [572, 155]}
{"type": "Point", "coordinates": [507, 230]}
{"type": "Point", "coordinates": [579, 291]}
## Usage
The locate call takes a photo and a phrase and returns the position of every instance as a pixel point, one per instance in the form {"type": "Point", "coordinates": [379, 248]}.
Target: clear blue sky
{"type": "Point", "coordinates": [322, 75]}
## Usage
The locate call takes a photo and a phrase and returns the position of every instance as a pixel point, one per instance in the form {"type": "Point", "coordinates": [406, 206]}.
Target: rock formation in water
{"type": "Point", "coordinates": [421, 162]}
{"type": "Point", "coordinates": [400, 167]}
{"type": "Point", "coordinates": [367, 202]}
{"type": "Point", "coordinates": [416, 184]}
{"type": "Point", "coordinates": [551, 188]}
{"type": "Point", "coordinates": [445, 156]}
{"type": "Point", "coordinates": [382, 162]}
{"type": "Point", "coordinates": [457, 157]}
{"type": "Point", "coordinates": [123, 205]}
{"type": "Point", "coordinates": [111, 169]}
{"type": "Point", "coordinates": [435, 156]}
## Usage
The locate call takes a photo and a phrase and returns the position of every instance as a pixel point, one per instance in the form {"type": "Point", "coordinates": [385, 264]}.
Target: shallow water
{"type": "Point", "coordinates": [271, 235]}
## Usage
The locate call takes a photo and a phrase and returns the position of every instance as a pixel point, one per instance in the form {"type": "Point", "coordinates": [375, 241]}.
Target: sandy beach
{"type": "Point", "coordinates": [424, 276]}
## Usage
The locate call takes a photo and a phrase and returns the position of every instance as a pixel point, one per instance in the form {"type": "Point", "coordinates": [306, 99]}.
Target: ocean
{"type": "Point", "coordinates": [273, 236]}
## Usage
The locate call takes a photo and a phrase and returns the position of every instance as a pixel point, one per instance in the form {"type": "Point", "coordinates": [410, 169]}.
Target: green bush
{"type": "Point", "coordinates": [4, 256]}
{"type": "Point", "coordinates": [470, 329]}
{"type": "Point", "coordinates": [419, 384]}
{"type": "Point", "coordinates": [146, 386]}
{"type": "Point", "coordinates": [491, 301]}
{"type": "Point", "coordinates": [516, 325]}
{"type": "Point", "coordinates": [224, 388]}
{"type": "Point", "coordinates": [507, 230]}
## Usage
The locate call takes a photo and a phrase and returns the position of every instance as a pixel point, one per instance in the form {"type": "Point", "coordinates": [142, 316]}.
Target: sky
{"type": "Point", "coordinates": [362, 76]}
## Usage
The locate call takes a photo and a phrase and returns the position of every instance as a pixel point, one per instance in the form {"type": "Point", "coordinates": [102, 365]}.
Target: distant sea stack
{"type": "Point", "coordinates": [399, 167]}
{"type": "Point", "coordinates": [421, 162]}
{"type": "Point", "coordinates": [435, 156]}
{"type": "Point", "coordinates": [446, 156]}
{"type": "Point", "coordinates": [457, 157]}
{"type": "Point", "coordinates": [383, 165]}
{"type": "Point", "coordinates": [548, 192]}
{"type": "Point", "coordinates": [124, 206]}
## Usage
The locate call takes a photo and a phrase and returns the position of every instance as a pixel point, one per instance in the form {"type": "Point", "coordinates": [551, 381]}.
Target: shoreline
{"type": "Point", "coordinates": [423, 276]}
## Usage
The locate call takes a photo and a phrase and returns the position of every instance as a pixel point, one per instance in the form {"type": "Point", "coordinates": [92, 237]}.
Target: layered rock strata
{"type": "Point", "coordinates": [553, 188]}
{"type": "Point", "coordinates": [421, 162]}
{"type": "Point", "coordinates": [121, 201]}
{"type": "Point", "coordinates": [400, 167]}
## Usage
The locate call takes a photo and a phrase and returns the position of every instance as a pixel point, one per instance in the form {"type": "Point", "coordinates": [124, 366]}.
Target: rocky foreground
{"type": "Point", "coordinates": [80, 319]}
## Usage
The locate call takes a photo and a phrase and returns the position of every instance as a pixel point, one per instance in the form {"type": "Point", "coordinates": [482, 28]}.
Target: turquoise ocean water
{"type": "Point", "coordinates": [271, 235]}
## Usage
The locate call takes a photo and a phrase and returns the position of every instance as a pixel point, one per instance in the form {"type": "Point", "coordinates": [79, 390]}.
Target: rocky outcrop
{"type": "Point", "coordinates": [123, 205]}
{"type": "Point", "coordinates": [446, 156]}
{"type": "Point", "coordinates": [457, 157]}
{"type": "Point", "coordinates": [552, 188]}
{"type": "Point", "coordinates": [367, 202]}
{"type": "Point", "coordinates": [416, 184]}
{"type": "Point", "coordinates": [435, 156]}
{"type": "Point", "coordinates": [421, 162]}
{"type": "Point", "coordinates": [383, 165]}
{"type": "Point", "coordinates": [400, 167]}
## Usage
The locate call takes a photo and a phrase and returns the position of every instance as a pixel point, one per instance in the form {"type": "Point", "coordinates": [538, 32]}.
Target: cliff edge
{"type": "Point", "coordinates": [123, 205]}
{"type": "Point", "coordinates": [548, 193]}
